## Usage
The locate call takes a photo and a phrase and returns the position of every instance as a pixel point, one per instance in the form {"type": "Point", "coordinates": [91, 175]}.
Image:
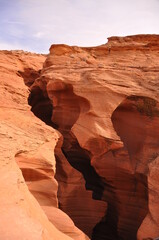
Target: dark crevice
{"type": "Point", "coordinates": [41, 106]}
{"type": "Point", "coordinates": [107, 228]}
{"type": "Point", "coordinates": [127, 207]}
{"type": "Point", "coordinates": [66, 113]}
{"type": "Point", "coordinates": [134, 120]}
{"type": "Point", "coordinates": [126, 193]}
{"type": "Point", "coordinates": [29, 75]}
{"type": "Point", "coordinates": [79, 159]}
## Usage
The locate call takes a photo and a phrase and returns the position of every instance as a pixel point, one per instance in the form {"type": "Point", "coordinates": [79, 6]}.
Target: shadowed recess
{"type": "Point", "coordinates": [41, 106]}
{"type": "Point", "coordinates": [62, 117]}
{"type": "Point", "coordinates": [29, 75]}
{"type": "Point", "coordinates": [79, 158]}
{"type": "Point", "coordinates": [127, 195]}
{"type": "Point", "coordinates": [66, 112]}
{"type": "Point", "coordinates": [124, 191]}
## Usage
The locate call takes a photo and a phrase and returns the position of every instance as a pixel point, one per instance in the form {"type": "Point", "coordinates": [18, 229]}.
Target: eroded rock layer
{"type": "Point", "coordinates": [105, 104]}
{"type": "Point", "coordinates": [28, 198]}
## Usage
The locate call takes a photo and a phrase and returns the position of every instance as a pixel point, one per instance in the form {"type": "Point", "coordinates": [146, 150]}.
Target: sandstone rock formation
{"type": "Point", "coordinates": [105, 105]}
{"type": "Point", "coordinates": [28, 142]}
{"type": "Point", "coordinates": [103, 101]}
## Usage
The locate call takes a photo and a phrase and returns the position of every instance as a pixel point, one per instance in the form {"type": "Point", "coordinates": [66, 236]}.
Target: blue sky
{"type": "Point", "coordinates": [34, 25]}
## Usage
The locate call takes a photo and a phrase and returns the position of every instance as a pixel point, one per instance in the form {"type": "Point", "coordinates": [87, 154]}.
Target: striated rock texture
{"type": "Point", "coordinates": [28, 198]}
{"type": "Point", "coordinates": [104, 102]}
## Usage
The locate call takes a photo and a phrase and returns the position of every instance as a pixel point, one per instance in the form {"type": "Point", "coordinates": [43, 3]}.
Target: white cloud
{"type": "Point", "coordinates": [39, 35]}
{"type": "Point", "coordinates": [9, 46]}
{"type": "Point", "coordinates": [81, 22]}
{"type": "Point", "coordinates": [14, 46]}
{"type": "Point", "coordinates": [71, 18]}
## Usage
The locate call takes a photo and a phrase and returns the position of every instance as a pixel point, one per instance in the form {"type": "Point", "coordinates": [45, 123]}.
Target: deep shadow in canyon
{"type": "Point", "coordinates": [126, 192]}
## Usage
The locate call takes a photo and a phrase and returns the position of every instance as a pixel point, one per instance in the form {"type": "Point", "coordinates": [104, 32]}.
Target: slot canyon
{"type": "Point", "coordinates": [80, 142]}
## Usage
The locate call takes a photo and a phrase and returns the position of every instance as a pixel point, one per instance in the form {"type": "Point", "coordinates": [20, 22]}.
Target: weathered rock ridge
{"type": "Point", "coordinates": [103, 101]}
{"type": "Point", "coordinates": [28, 143]}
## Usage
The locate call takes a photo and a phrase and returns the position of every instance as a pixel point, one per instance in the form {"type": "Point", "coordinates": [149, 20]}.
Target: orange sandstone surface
{"type": "Point", "coordinates": [28, 198]}
{"type": "Point", "coordinates": [82, 161]}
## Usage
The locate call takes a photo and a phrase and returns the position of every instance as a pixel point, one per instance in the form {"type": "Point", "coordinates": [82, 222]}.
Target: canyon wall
{"type": "Point", "coordinates": [105, 105]}
{"type": "Point", "coordinates": [28, 197]}
{"type": "Point", "coordinates": [82, 161]}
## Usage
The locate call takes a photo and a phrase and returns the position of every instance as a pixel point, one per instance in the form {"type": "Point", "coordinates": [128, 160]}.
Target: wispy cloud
{"type": "Point", "coordinates": [40, 23]}
{"type": "Point", "coordinates": [13, 22]}
{"type": "Point", "coordinates": [14, 46]}
{"type": "Point", "coordinates": [39, 35]}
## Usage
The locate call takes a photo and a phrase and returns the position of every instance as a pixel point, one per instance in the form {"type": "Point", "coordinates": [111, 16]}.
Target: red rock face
{"type": "Point", "coordinates": [103, 101]}
{"type": "Point", "coordinates": [74, 171]}
{"type": "Point", "coordinates": [28, 198]}
{"type": "Point", "coordinates": [105, 105]}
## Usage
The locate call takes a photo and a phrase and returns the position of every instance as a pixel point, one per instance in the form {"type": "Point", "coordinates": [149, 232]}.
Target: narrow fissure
{"type": "Point", "coordinates": [77, 157]}
{"type": "Point", "coordinates": [86, 211]}
{"type": "Point", "coordinates": [41, 106]}
{"type": "Point", "coordinates": [127, 207]}
{"type": "Point", "coordinates": [65, 114]}
{"type": "Point", "coordinates": [127, 201]}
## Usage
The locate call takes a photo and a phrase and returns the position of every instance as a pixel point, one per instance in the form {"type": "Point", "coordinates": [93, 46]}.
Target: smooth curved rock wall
{"type": "Point", "coordinates": [118, 138]}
